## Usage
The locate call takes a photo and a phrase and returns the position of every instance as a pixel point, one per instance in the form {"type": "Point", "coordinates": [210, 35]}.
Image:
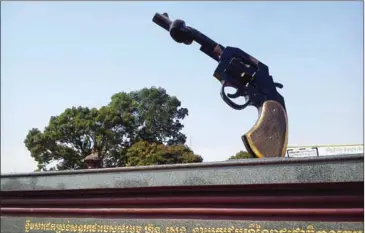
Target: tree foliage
{"type": "Point", "coordinates": [144, 153]}
{"type": "Point", "coordinates": [241, 155]}
{"type": "Point", "coordinates": [116, 131]}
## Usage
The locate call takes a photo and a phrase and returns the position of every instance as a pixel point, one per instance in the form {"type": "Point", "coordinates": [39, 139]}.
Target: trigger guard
{"type": "Point", "coordinates": [230, 102]}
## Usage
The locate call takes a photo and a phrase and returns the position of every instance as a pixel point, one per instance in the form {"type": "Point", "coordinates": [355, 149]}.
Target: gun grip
{"type": "Point", "coordinates": [269, 136]}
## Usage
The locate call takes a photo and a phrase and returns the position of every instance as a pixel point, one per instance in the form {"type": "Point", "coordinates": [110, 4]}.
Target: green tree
{"type": "Point", "coordinates": [149, 115]}
{"type": "Point", "coordinates": [156, 115]}
{"type": "Point", "coordinates": [241, 155]}
{"type": "Point", "coordinates": [145, 153]}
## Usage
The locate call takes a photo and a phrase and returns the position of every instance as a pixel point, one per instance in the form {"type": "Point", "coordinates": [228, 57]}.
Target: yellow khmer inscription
{"type": "Point", "coordinates": [150, 228]}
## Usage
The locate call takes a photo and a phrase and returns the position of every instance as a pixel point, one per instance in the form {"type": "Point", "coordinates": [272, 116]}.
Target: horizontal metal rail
{"type": "Point", "coordinates": [192, 201]}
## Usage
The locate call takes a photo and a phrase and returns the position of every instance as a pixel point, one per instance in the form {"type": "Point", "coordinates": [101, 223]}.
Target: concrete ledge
{"type": "Point", "coordinates": [241, 172]}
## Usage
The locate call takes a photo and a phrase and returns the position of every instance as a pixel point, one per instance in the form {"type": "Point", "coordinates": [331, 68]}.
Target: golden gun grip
{"type": "Point", "coordinates": [269, 136]}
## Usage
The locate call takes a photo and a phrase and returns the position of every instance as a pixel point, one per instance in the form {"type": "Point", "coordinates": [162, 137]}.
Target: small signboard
{"type": "Point", "coordinates": [340, 150]}
{"type": "Point", "coordinates": [302, 152]}
{"type": "Point", "coordinates": [311, 151]}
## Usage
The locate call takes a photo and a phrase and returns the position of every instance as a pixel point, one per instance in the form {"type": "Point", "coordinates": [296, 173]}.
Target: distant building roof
{"type": "Point", "coordinates": [94, 156]}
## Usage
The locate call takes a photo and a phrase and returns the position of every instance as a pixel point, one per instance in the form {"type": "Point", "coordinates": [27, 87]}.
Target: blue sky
{"type": "Point", "coordinates": [55, 55]}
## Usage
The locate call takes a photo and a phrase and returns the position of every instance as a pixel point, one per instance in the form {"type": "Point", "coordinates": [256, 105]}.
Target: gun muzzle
{"type": "Point", "coordinates": [177, 28]}
{"type": "Point", "coordinates": [184, 34]}
{"type": "Point", "coordinates": [162, 20]}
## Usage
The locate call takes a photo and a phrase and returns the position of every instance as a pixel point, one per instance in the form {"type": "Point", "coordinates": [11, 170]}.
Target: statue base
{"type": "Point", "coordinates": [273, 195]}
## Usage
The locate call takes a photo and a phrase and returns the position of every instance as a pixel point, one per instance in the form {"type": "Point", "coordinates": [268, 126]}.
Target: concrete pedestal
{"type": "Point", "coordinates": [277, 195]}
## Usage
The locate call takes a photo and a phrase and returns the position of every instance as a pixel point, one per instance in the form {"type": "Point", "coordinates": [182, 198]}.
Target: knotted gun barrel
{"type": "Point", "coordinates": [251, 79]}
{"type": "Point", "coordinates": [184, 34]}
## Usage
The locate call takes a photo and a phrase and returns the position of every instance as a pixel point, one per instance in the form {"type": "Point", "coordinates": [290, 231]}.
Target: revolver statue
{"type": "Point", "coordinates": [251, 79]}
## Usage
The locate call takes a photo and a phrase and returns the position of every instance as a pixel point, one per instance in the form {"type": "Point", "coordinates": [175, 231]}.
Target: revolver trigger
{"type": "Point", "coordinates": [235, 95]}
{"type": "Point", "coordinates": [226, 97]}
{"type": "Point", "coordinates": [278, 85]}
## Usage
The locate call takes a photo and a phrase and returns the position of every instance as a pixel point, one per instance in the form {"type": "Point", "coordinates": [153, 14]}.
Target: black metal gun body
{"type": "Point", "coordinates": [250, 78]}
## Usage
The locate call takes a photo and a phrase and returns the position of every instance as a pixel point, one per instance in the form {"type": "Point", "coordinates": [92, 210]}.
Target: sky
{"type": "Point", "coordinates": [56, 55]}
